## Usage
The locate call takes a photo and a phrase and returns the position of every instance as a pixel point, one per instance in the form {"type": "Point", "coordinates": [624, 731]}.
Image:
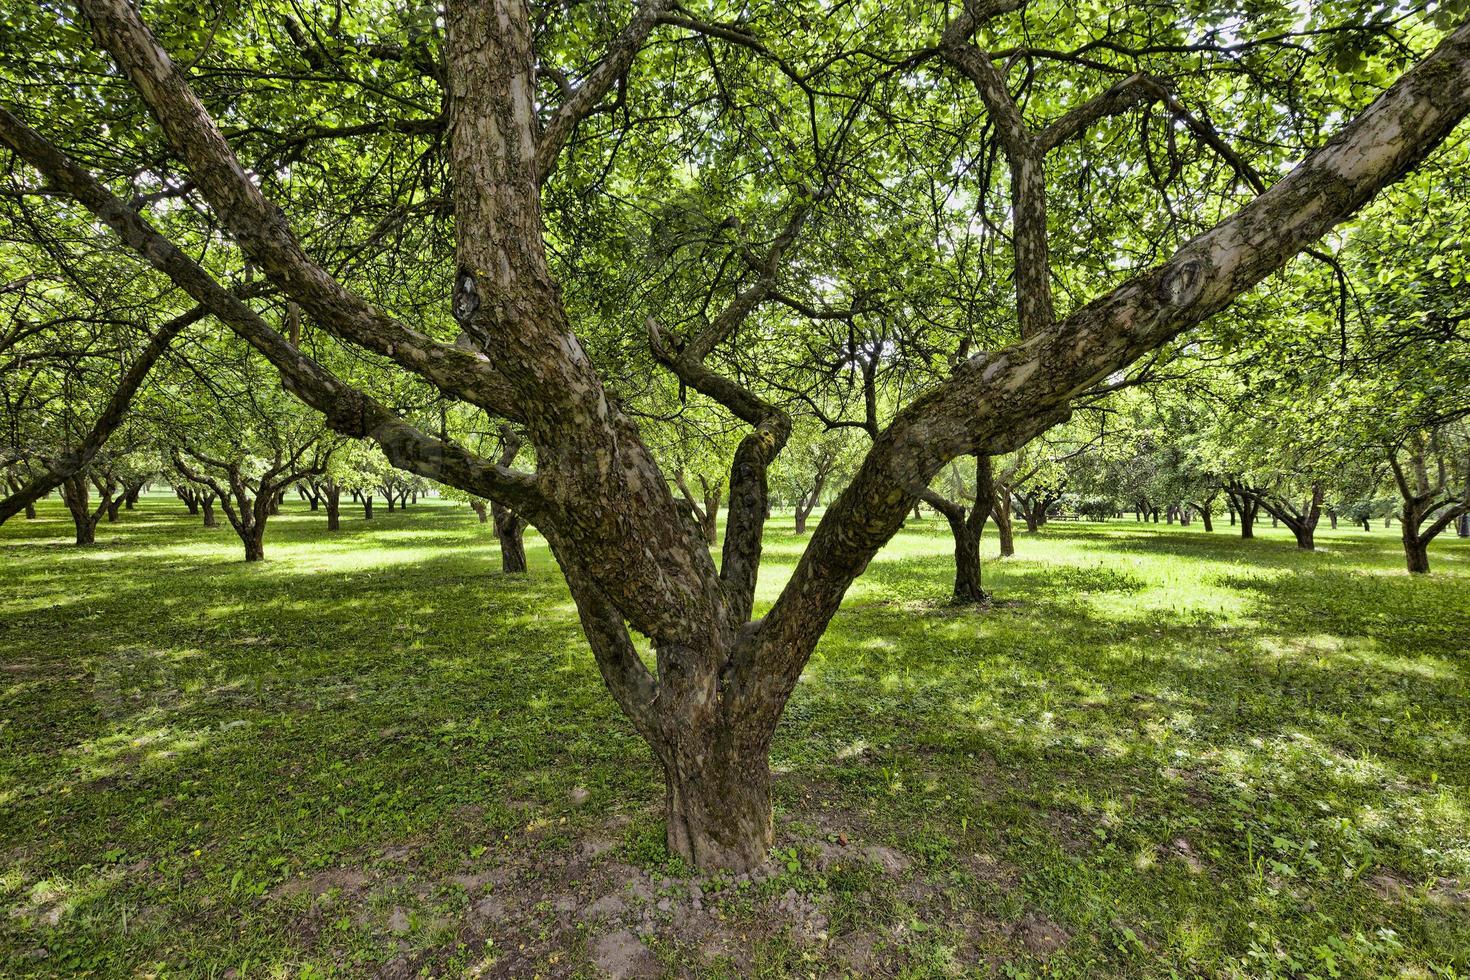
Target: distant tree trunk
{"type": "Point", "coordinates": [1301, 520]}
{"type": "Point", "coordinates": [206, 501]}
{"type": "Point", "coordinates": [31, 511]}
{"type": "Point", "coordinates": [332, 497]}
{"type": "Point", "coordinates": [1425, 496]}
{"type": "Point", "coordinates": [1001, 514]}
{"type": "Point", "coordinates": [1462, 526]}
{"type": "Point", "coordinates": [481, 511]}
{"type": "Point", "coordinates": [805, 504]}
{"type": "Point", "coordinates": [1246, 502]}
{"type": "Point", "coordinates": [1204, 507]}
{"type": "Point", "coordinates": [131, 492]}
{"type": "Point", "coordinates": [367, 506]}
{"type": "Point", "coordinates": [1332, 517]}
{"type": "Point", "coordinates": [190, 497]}
{"type": "Point", "coordinates": [510, 531]}
{"type": "Point", "coordinates": [113, 506]}
{"type": "Point", "coordinates": [705, 516]}
{"type": "Point", "coordinates": [966, 525]}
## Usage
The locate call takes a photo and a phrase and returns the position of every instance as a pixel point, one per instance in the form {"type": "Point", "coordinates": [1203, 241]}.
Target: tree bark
{"type": "Point", "coordinates": [367, 506]}
{"type": "Point", "coordinates": [254, 544]}
{"type": "Point", "coordinates": [332, 496]}
{"type": "Point", "coordinates": [718, 805]}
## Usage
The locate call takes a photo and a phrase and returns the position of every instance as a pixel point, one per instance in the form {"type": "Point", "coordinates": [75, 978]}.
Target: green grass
{"type": "Point", "coordinates": [1162, 753]}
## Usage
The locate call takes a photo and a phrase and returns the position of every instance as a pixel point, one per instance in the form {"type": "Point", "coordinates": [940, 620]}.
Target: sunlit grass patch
{"type": "Point", "coordinates": [1208, 745]}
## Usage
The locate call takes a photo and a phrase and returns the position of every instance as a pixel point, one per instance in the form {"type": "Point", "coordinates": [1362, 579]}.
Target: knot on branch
{"type": "Point", "coordinates": [1182, 283]}
{"type": "Point", "coordinates": [466, 296]}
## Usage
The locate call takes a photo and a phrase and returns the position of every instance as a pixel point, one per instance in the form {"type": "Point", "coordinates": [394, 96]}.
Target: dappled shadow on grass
{"type": "Point", "coordinates": [186, 733]}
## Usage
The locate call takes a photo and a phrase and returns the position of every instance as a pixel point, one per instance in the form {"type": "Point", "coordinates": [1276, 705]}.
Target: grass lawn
{"type": "Point", "coordinates": [1162, 753]}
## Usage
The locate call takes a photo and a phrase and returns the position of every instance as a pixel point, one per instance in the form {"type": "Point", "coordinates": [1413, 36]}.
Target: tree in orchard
{"type": "Point", "coordinates": [77, 342]}
{"type": "Point", "coordinates": [517, 157]}
{"type": "Point", "coordinates": [243, 440]}
{"type": "Point", "coordinates": [818, 460]}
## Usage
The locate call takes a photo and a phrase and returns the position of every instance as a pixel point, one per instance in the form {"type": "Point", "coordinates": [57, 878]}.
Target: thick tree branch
{"type": "Point", "coordinates": [261, 228]}
{"type": "Point", "coordinates": [994, 399]}
{"type": "Point", "coordinates": [112, 415]}
{"type": "Point", "coordinates": [599, 81]}
{"type": "Point", "coordinates": [347, 410]}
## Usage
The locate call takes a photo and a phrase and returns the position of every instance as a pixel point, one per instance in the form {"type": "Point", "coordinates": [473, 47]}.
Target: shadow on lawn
{"type": "Point", "coordinates": [277, 722]}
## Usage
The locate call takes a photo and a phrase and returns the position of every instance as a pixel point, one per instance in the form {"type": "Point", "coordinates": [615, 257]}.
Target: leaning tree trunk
{"type": "Point", "coordinates": [1204, 515]}
{"type": "Point", "coordinates": [510, 530]}
{"type": "Point", "coordinates": [207, 502]}
{"type": "Point", "coordinates": [113, 507]}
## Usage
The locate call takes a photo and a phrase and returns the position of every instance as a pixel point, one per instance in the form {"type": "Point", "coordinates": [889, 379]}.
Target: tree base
{"type": "Point", "coordinates": [722, 823]}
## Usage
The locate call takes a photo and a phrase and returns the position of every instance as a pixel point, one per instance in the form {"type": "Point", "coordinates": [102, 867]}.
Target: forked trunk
{"type": "Point", "coordinates": [113, 506]}
{"type": "Point", "coordinates": [208, 504]}
{"type": "Point", "coordinates": [1248, 519]}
